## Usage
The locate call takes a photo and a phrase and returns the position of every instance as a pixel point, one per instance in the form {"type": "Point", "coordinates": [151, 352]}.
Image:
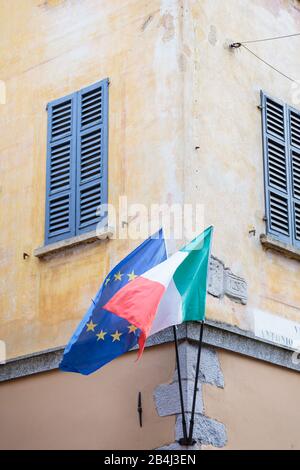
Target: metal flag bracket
{"type": "Point", "coordinates": [140, 409]}
{"type": "Point", "coordinates": [187, 439]}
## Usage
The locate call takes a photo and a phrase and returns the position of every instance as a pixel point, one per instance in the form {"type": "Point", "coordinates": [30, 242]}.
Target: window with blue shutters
{"type": "Point", "coordinates": [76, 162]}
{"type": "Point", "coordinates": [281, 140]}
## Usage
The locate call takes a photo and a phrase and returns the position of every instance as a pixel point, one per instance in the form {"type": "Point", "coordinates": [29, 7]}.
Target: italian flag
{"type": "Point", "coordinates": [172, 292]}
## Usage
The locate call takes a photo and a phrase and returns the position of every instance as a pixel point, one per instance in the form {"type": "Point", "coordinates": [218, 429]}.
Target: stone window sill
{"type": "Point", "coordinates": [284, 248]}
{"type": "Point", "coordinates": [82, 239]}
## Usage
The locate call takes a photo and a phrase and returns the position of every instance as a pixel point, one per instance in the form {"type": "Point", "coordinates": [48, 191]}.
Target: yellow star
{"type": "Point", "coordinates": [91, 326]}
{"type": "Point", "coordinates": [116, 336]}
{"type": "Point", "coordinates": [131, 276]}
{"type": "Point", "coordinates": [107, 281]}
{"type": "Point", "coordinates": [118, 276]}
{"type": "Point", "coordinates": [101, 335]}
{"type": "Point", "coordinates": [132, 329]}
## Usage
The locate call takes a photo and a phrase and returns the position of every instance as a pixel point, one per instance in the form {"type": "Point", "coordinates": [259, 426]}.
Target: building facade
{"type": "Point", "coordinates": [184, 119]}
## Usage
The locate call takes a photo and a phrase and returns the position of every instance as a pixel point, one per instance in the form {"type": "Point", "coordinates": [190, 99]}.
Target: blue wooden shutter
{"type": "Point", "coordinates": [92, 140]}
{"type": "Point", "coordinates": [294, 155]}
{"type": "Point", "coordinates": [61, 168]}
{"type": "Point", "coordinates": [276, 169]}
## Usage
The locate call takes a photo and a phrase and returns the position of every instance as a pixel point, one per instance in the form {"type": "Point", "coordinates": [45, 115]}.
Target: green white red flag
{"type": "Point", "coordinates": [170, 293]}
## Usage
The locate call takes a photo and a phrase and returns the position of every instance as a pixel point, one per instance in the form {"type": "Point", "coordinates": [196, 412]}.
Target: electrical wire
{"type": "Point", "coordinates": [267, 63]}
{"type": "Point", "coordinates": [271, 39]}
{"type": "Point", "coordinates": [242, 44]}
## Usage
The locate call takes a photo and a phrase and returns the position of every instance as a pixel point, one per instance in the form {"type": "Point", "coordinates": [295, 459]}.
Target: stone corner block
{"type": "Point", "coordinates": [206, 431]}
{"type": "Point", "coordinates": [167, 398]}
{"type": "Point", "coordinates": [210, 369]}
{"type": "Point", "coordinates": [210, 431]}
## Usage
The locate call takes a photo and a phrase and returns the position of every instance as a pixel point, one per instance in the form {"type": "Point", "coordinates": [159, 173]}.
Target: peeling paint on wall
{"type": "Point", "coordinates": [212, 35]}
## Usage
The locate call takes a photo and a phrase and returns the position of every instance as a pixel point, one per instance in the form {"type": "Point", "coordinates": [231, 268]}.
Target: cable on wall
{"type": "Point", "coordinates": [274, 38]}
{"type": "Point", "coordinates": [236, 45]}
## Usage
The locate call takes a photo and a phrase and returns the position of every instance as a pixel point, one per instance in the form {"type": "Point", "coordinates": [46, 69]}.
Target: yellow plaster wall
{"type": "Point", "coordinates": [174, 86]}
{"type": "Point", "coordinates": [226, 172]}
{"type": "Point", "coordinates": [50, 49]}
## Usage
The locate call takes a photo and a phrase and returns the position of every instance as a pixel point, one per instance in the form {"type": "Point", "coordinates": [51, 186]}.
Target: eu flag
{"type": "Point", "coordinates": [101, 336]}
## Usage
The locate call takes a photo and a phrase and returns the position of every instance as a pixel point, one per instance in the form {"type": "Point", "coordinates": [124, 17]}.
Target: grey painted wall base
{"type": "Point", "coordinates": [215, 334]}
{"type": "Point", "coordinates": [206, 430]}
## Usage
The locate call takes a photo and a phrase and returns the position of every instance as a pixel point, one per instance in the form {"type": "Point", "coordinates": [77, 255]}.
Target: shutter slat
{"type": "Point", "coordinates": [60, 169]}
{"type": "Point", "coordinates": [61, 119]}
{"type": "Point", "coordinates": [91, 107]}
{"type": "Point", "coordinates": [91, 96]}
{"type": "Point", "coordinates": [279, 214]}
{"type": "Point", "coordinates": [88, 140]}
{"type": "Point", "coordinates": [62, 107]}
{"type": "Point", "coordinates": [296, 173]}
{"type": "Point", "coordinates": [60, 219]}
{"type": "Point", "coordinates": [90, 199]}
{"type": "Point", "coordinates": [297, 221]}
{"type": "Point", "coordinates": [90, 158]}
{"type": "Point", "coordinates": [295, 128]}
{"type": "Point", "coordinates": [92, 146]}
{"type": "Point", "coordinates": [60, 150]}
{"type": "Point", "coordinates": [60, 157]}
{"type": "Point", "coordinates": [275, 118]}
{"type": "Point", "coordinates": [276, 160]}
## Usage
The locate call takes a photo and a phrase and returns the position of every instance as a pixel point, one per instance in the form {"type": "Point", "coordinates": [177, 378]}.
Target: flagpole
{"type": "Point", "coordinates": [184, 427]}
{"type": "Point", "coordinates": [190, 438]}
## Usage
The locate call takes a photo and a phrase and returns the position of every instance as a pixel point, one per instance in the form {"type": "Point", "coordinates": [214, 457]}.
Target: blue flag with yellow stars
{"type": "Point", "coordinates": [102, 336]}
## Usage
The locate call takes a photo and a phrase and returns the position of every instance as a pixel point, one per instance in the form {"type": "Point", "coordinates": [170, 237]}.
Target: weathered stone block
{"type": "Point", "coordinates": [235, 287]}
{"type": "Point", "coordinates": [222, 281]}
{"type": "Point", "coordinates": [167, 398]}
{"type": "Point", "coordinates": [210, 431]}
{"type": "Point", "coordinates": [216, 277]}
{"type": "Point", "coordinates": [206, 430]}
{"type": "Point", "coordinates": [210, 370]}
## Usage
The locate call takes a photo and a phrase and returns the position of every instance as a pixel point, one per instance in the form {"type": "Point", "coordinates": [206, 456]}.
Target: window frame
{"type": "Point", "coordinates": [75, 161]}
{"type": "Point", "coordinates": [288, 148]}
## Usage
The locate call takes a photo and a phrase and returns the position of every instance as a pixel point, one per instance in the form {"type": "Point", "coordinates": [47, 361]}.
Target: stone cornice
{"type": "Point", "coordinates": [219, 335]}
